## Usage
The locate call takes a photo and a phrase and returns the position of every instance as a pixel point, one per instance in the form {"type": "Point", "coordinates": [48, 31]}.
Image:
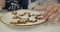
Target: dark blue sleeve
{"type": "Point", "coordinates": [8, 5]}
{"type": "Point", "coordinates": [58, 1]}
{"type": "Point", "coordinates": [24, 4]}
{"type": "Point", "coordinates": [19, 3]}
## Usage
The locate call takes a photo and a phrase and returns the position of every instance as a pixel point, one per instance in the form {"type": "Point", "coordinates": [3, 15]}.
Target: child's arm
{"type": "Point", "coordinates": [2, 3]}
{"type": "Point", "coordinates": [46, 4]}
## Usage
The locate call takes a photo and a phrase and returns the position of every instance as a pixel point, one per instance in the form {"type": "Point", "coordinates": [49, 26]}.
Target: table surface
{"type": "Point", "coordinates": [45, 27]}
{"type": "Point", "coordinates": [40, 28]}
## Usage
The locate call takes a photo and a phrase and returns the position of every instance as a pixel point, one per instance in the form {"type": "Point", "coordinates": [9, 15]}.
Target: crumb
{"type": "Point", "coordinates": [38, 17]}
{"type": "Point", "coordinates": [29, 15]}
{"type": "Point", "coordinates": [22, 14]}
{"type": "Point", "coordinates": [16, 17]}
{"type": "Point", "coordinates": [14, 13]}
{"type": "Point", "coordinates": [39, 14]}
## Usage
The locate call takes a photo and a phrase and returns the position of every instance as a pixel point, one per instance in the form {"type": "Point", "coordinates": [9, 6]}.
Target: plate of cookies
{"type": "Point", "coordinates": [23, 18]}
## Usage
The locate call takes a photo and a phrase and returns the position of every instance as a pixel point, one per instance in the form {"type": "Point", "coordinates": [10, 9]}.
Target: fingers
{"type": "Point", "coordinates": [50, 13]}
{"type": "Point", "coordinates": [54, 16]}
{"type": "Point", "coordinates": [48, 10]}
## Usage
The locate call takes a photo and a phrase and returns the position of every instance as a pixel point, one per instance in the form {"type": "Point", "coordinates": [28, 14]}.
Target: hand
{"type": "Point", "coordinates": [52, 12]}
{"type": "Point", "coordinates": [41, 7]}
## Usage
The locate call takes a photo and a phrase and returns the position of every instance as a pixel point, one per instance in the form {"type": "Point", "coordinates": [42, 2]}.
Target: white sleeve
{"type": "Point", "coordinates": [31, 5]}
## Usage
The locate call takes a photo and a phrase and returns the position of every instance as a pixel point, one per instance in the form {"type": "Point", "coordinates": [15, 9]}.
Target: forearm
{"type": "Point", "coordinates": [49, 2]}
{"type": "Point", "coordinates": [2, 3]}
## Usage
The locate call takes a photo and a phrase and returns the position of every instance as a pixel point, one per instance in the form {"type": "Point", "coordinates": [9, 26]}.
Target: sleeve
{"type": "Point", "coordinates": [58, 1]}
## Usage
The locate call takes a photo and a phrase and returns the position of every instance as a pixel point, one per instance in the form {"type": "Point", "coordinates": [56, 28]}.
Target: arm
{"type": "Point", "coordinates": [46, 4]}
{"type": "Point", "coordinates": [2, 3]}
{"type": "Point", "coordinates": [52, 13]}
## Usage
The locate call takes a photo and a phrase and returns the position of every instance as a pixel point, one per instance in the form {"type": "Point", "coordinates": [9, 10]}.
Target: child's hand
{"type": "Point", "coordinates": [52, 12]}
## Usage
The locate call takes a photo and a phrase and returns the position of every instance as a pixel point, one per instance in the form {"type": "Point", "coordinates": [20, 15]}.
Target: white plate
{"type": "Point", "coordinates": [47, 27]}
{"type": "Point", "coordinates": [8, 18]}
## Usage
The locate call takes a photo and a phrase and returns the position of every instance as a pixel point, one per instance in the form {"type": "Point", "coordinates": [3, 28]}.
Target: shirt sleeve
{"type": "Point", "coordinates": [58, 1]}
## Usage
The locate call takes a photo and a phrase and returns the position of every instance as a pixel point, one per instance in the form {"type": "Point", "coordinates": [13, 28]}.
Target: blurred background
{"type": "Point", "coordinates": [13, 5]}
